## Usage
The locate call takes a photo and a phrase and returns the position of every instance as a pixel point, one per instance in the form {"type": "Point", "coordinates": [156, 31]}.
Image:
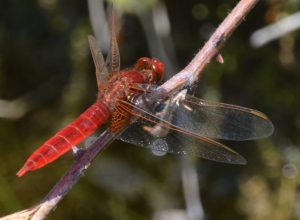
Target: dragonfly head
{"type": "Point", "coordinates": [155, 66]}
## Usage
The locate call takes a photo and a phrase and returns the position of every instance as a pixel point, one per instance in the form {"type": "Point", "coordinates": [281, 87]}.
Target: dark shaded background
{"type": "Point", "coordinates": [47, 79]}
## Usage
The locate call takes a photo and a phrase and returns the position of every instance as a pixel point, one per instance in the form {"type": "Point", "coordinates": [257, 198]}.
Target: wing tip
{"type": "Point", "coordinates": [265, 131]}
{"type": "Point", "coordinates": [269, 127]}
{"type": "Point", "coordinates": [234, 158]}
{"type": "Point", "coordinates": [240, 161]}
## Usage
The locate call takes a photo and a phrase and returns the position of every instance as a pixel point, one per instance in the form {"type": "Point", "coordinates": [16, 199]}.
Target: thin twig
{"type": "Point", "coordinates": [192, 72]}
{"type": "Point", "coordinates": [189, 75]}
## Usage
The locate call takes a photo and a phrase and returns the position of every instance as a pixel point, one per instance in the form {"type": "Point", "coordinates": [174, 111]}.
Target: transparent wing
{"type": "Point", "coordinates": [176, 141]}
{"type": "Point", "coordinates": [101, 70]}
{"type": "Point", "coordinates": [220, 120]}
{"type": "Point", "coordinates": [180, 143]}
{"type": "Point", "coordinates": [212, 119]}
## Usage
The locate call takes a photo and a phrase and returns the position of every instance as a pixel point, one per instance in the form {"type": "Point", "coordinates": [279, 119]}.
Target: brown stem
{"type": "Point", "coordinates": [192, 72]}
{"type": "Point", "coordinates": [189, 75]}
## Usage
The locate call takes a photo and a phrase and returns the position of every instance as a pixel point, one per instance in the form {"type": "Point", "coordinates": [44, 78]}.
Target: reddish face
{"type": "Point", "coordinates": [156, 67]}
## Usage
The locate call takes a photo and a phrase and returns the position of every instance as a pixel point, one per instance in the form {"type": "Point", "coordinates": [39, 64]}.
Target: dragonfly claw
{"type": "Point", "coordinates": [75, 150]}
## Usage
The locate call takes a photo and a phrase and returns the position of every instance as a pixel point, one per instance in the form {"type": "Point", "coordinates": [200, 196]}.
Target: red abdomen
{"type": "Point", "coordinates": [66, 138]}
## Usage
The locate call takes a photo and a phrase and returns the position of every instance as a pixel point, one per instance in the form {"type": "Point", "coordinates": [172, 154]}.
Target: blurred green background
{"type": "Point", "coordinates": [47, 79]}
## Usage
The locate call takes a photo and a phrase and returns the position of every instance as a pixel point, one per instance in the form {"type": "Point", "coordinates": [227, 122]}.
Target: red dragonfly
{"type": "Point", "coordinates": [181, 124]}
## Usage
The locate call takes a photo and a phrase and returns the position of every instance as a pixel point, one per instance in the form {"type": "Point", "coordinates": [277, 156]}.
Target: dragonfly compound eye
{"type": "Point", "coordinates": [143, 63]}
{"type": "Point", "coordinates": [158, 68]}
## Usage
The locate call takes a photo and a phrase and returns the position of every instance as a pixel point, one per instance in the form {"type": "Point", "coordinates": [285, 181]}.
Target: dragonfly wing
{"type": "Point", "coordinates": [101, 70]}
{"type": "Point", "coordinates": [113, 57]}
{"type": "Point", "coordinates": [220, 120]}
{"type": "Point", "coordinates": [176, 141]}
{"type": "Point", "coordinates": [212, 119]}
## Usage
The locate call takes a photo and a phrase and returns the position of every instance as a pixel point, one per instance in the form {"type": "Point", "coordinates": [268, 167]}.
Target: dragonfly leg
{"type": "Point", "coordinates": [75, 150]}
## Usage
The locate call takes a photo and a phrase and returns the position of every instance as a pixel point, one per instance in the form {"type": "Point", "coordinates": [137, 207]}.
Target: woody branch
{"type": "Point", "coordinates": [192, 72]}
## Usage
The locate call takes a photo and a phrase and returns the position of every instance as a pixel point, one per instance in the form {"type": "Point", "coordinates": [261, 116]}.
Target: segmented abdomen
{"type": "Point", "coordinates": [71, 135]}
